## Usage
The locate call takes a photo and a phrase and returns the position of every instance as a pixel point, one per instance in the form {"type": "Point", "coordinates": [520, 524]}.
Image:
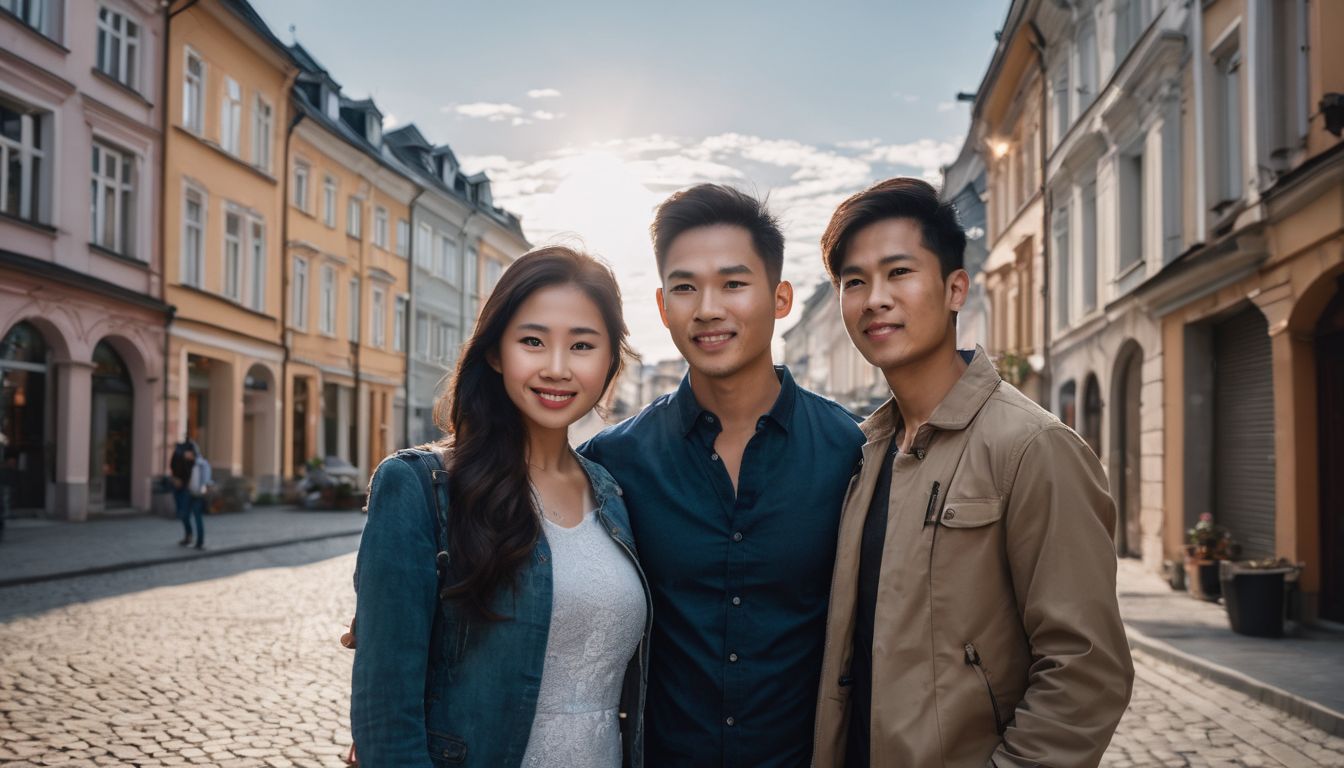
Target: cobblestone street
{"type": "Point", "coordinates": [234, 661]}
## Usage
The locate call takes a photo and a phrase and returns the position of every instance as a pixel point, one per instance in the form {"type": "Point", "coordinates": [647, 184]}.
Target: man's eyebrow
{"type": "Point", "coordinates": [680, 274]}
{"type": "Point", "coordinates": [882, 262]}
{"type": "Point", "coordinates": [736, 269]}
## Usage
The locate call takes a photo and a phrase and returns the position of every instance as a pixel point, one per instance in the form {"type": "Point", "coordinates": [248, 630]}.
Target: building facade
{"type": "Point", "coordinates": [1186, 290]}
{"type": "Point", "coordinates": [223, 207]}
{"type": "Point", "coordinates": [347, 272]}
{"type": "Point", "coordinates": [82, 316]}
{"type": "Point", "coordinates": [964, 183]}
{"type": "Point", "coordinates": [462, 243]}
{"type": "Point", "coordinates": [821, 357]}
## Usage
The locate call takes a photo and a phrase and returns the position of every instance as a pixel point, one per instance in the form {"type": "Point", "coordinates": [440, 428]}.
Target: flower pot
{"type": "Point", "coordinates": [1201, 578]}
{"type": "Point", "coordinates": [1254, 598]}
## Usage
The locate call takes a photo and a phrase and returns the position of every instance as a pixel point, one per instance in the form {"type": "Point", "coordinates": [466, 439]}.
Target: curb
{"type": "Point", "coordinates": [133, 564]}
{"type": "Point", "coordinates": [1320, 716]}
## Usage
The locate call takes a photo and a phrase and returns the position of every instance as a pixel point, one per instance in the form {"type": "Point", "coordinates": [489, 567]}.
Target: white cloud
{"type": "Point", "coordinates": [927, 155]}
{"type": "Point", "coordinates": [946, 106]}
{"type": "Point", "coordinates": [543, 93]}
{"type": "Point", "coordinates": [542, 114]}
{"type": "Point", "coordinates": [488, 110]}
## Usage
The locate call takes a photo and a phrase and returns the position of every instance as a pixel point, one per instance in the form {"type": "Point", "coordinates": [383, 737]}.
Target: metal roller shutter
{"type": "Point", "coordinates": [1243, 451]}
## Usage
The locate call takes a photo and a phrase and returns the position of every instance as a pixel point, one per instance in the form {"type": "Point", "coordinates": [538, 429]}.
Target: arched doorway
{"type": "Point", "coordinates": [1068, 403]}
{"type": "Point", "coordinates": [1128, 457]}
{"type": "Point", "coordinates": [259, 429]}
{"type": "Point", "coordinates": [24, 420]}
{"type": "Point", "coordinates": [111, 425]}
{"type": "Point", "coordinates": [1329, 348]}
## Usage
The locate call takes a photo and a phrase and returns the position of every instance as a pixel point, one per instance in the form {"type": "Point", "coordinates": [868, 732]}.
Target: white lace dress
{"type": "Point", "coordinates": [597, 620]}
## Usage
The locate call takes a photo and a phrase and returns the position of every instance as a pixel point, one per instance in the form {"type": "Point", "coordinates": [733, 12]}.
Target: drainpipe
{"type": "Point", "coordinates": [167, 329]}
{"type": "Point", "coordinates": [466, 289]}
{"type": "Point", "coordinates": [163, 220]}
{"type": "Point", "coordinates": [1038, 43]}
{"type": "Point", "coordinates": [286, 424]}
{"type": "Point", "coordinates": [409, 319]}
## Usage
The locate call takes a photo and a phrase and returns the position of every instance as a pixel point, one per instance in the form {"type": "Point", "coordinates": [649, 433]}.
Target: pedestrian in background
{"type": "Point", "coordinates": [180, 467]}
{"type": "Point", "coordinates": [526, 646]}
{"type": "Point", "coordinates": [199, 487]}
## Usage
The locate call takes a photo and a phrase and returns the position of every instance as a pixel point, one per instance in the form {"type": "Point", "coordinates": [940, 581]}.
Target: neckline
{"type": "Point", "coordinates": [587, 515]}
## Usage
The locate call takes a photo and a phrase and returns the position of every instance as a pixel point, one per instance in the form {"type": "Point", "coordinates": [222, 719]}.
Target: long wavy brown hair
{"type": "Point", "coordinates": [493, 525]}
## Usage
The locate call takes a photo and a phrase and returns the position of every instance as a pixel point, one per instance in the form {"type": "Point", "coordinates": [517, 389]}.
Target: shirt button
{"type": "Point", "coordinates": [737, 536]}
{"type": "Point", "coordinates": [713, 457]}
{"type": "Point", "coordinates": [732, 657]}
{"type": "Point", "coordinates": [737, 600]}
{"type": "Point", "coordinates": [729, 721]}
{"type": "Point", "coordinates": [709, 418]}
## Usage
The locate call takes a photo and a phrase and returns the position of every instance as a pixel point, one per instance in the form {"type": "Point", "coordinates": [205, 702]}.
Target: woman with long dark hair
{"type": "Point", "coordinates": [502, 618]}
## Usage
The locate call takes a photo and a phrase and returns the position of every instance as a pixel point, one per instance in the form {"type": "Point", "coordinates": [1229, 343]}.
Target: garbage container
{"type": "Point", "coordinates": [1254, 597]}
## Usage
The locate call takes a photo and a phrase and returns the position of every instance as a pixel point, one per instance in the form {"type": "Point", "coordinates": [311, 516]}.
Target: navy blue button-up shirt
{"type": "Point", "coordinates": [740, 581]}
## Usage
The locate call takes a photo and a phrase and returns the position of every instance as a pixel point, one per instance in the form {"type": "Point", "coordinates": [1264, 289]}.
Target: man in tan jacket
{"type": "Point", "coordinates": [973, 617]}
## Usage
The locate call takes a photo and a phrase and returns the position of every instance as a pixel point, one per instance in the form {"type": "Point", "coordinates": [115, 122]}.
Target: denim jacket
{"type": "Point", "coordinates": [434, 687]}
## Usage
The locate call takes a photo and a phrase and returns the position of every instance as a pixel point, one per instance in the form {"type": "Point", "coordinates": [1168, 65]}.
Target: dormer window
{"type": "Point", "coordinates": [375, 129]}
{"type": "Point", "coordinates": [333, 105]}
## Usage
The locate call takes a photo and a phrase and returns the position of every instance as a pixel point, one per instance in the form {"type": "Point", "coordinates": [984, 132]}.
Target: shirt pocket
{"type": "Point", "coordinates": [971, 513]}
{"type": "Point", "coordinates": [446, 749]}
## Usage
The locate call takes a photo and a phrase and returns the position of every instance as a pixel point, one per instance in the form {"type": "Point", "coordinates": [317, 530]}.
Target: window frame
{"type": "Point", "coordinates": [380, 227]}
{"type": "Point", "coordinates": [126, 163]}
{"type": "Point", "coordinates": [403, 238]}
{"type": "Point", "coordinates": [193, 91]}
{"type": "Point", "coordinates": [116, 26]}
{"type": "Point", "coordinates": [193, 264]}
{"type": "Point", "coordinates": [231, 287]}
{"type": "Point", "coordinates": [231, 118]}
{"type": "Point", "coordinates": [256, 256]}
{"type": "Point", "coordinates": [326, 301]}
{"type": "Point", "coordinates": [353, 321]}
{"type": "Point", "coordinates": [377, 314]}
{"type": "Point", "coordinates": [263, 129]}
{"type": "Point", "coordinates": [330, 190]}
{"type": "Point", "coordinates": [302, 175]}
{"type": "Point", "coordinates": [400, 309]}
{"type": "Point", "coordinates": [299, 290]}
{"type": "Point", "coordinates": [32, 181]}
{"type": "Point", "coordinates": [354, 218]}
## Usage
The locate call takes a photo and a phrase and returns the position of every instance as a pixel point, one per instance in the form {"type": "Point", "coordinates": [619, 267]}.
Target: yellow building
{"type": "Point", "coordinates": [1006, 126]}
{"type": "Point", "coordinates": [347, 256]}
{"type": "Point", "coordinates": [227, 100]}
{"type": "Point", "coordinates": [1252, 318]}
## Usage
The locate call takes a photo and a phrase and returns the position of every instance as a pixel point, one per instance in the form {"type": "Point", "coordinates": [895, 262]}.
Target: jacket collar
{"type": "Point", "coordinates": [604, 485]}
{"type": "Point", "coordinates": [689, 410]}
{"type": "Point", "coordinates": [957, 409]}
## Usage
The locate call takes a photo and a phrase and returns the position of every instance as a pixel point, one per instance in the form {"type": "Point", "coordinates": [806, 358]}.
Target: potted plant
{"type": "Point", "coordinates": [1254, 593]}
{"type": "Point", "coordinates": [1209, 544]}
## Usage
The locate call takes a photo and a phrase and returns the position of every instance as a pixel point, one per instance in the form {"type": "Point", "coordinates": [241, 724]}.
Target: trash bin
{"type": "Point", "coordinates": [1254, 597]}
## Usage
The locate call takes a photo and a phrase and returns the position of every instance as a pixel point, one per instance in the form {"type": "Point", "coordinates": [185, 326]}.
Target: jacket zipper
{"type": "Point", "coordinates": [973, 660]}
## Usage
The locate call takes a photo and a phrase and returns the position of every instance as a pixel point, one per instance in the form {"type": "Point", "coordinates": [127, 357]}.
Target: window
{"type": "Point", "coordinates": [399, 325]}
{"type": "Point", "coordinates": [299, 301]}
{"type": "Point", "coordinates": [193, 238]}
{"type": "Point", "coordinates": [333, 106]}
{"type": "Point", "coordinates": [301, 186]}
{"type": "Point", "coordinates": [1132, 199]}
{"type": "Point", "coordinates": [1087, 65]}
{"type": "Point", "coordinates": [1290, 103]}
{"type": "Point", "coordinates": [1060, 98]}
{"type": "Point", "coordinates": [326, 301]}
{"type": "Point", "coordinates": [403, 237]}
{"type": "Point", "coordinates": [233, 255]}
{"type": "Point", "coordinates": [379, 318]}
{"type": "Point", "coordinates": [422, 244]}
{"type": "Point", "coordinates": [193, 86]}
{"type": "Point", "coordinates": [353, 213]}
{"type": "Point", "coordinates": [380, 227]}
{"type": "Point", "coordinates": [1068, 403]}
{"type": "Point", "coordinates": [257, 270]}
{"type": "Point", "coordinates": [445, 260]}
{"type": "Point", "coordinates": [493, 269]}
{"type": "Point", "coordinates": [329, 202]}
{"type": "Point", "coordinates": [1128, 26]}
{"type": "Point", "coordinates": [261, 134]}
{"type": "Point", "coordinates": [231, 117]}
{"type": "Point", "coordinates": [1063, 279]}
{"type": "Point", "coordinates": [422, 335]}
{"type": "Point", "coordinates": [353, 322]}
{"type": "Point", "coordinates": [1227, 90]}
{"type": "Point", "coordinates": [21, 162]}
{"type": "Point", "coordinates": [113, 188]}
{"type": "Point", "coordinates": [1089, 247]}
{"type": "Point", "coordinates": [118, 47]}
{"type": "Point", "coordinates": [30, 12]}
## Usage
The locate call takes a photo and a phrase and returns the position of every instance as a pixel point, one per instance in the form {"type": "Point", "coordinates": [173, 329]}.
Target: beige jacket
{"type": "Point", "coordinates": [997, 637]}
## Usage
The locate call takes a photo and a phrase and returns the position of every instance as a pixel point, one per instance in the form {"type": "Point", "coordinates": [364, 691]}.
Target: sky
{"type": "Point", "coordinates": [586, 115]}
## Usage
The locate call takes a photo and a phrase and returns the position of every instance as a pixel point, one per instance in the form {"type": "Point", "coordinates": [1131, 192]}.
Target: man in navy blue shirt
{"type": "Point", "coordinates": [734, 485]}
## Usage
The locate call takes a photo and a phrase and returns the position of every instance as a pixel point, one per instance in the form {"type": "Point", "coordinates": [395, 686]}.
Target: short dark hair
{"type": "Point", "coordinates": [706, 205]}
{"type": "Point", "coordinates": [899, 198]}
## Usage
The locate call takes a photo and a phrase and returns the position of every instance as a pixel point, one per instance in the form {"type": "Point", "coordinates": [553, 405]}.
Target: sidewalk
{"type": "Point", "coordinates": [1302, 674]}
{"type": "Point", "coordinates": [43, 550]}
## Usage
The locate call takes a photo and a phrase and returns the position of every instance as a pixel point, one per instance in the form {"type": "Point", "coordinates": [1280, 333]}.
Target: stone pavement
{"type": "Point", "coordinates": [40, 550]}
{"type": "Point", "coordinates": [1302, 674]}
{"type": "Point", "coordinates": [234, 662]}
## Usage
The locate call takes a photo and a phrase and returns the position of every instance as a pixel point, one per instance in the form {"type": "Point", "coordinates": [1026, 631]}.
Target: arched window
{"type": "Point", "coordinates": [1068, 403]}
{"type": "Point", "coordinates": [1092, 413]}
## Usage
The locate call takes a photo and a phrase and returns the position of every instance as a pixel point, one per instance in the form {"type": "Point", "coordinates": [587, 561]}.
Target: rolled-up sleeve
{"type": "Point", "coordinates": [397, 583]}
{"type": "Point", "coordinates": [1059, 522]}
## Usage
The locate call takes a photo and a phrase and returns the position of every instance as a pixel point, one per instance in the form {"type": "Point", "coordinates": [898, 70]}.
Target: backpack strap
{"type": "Point", "coordinates": [434, 480]}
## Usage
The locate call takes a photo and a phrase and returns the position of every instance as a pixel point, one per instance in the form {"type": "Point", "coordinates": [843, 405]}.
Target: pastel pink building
{"type": "Point", "coordinates": [82, 321]}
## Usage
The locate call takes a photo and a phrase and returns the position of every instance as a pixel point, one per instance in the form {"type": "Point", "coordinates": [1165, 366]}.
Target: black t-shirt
{"type": "Point", "coordinates": [870, 566]}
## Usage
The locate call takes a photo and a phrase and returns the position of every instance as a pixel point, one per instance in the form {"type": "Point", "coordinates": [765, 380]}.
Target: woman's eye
{"type": "Point", "coordinates": [583, 345]}
{"type": "Point", "coordinates": [531, 341]}
{"type": "Point", "coordinates": [850, 283]}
